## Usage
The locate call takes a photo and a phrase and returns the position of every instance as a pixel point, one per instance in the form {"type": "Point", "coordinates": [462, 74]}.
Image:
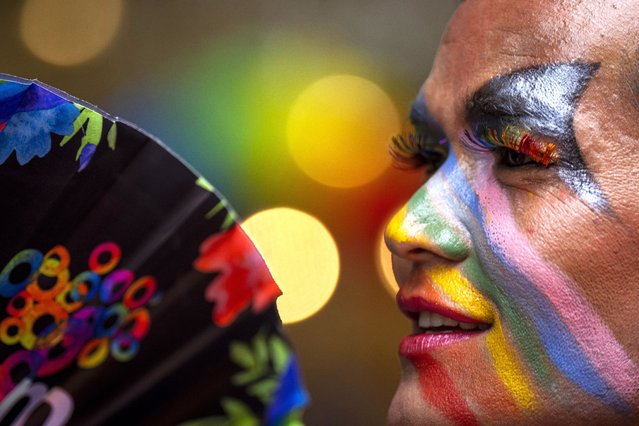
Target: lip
{"type": "Point", "coordinates": [418, 344]}
{"type": "Point", "coordinates": [422, 343]}
{"type": "Point", "coordinates": [412, 306]}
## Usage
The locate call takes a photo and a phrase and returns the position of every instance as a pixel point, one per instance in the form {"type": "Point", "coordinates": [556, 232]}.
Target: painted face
{"type": "Point", "coordinates": [516, 259]}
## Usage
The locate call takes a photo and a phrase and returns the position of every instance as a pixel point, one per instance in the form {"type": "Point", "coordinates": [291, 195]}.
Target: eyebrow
{"type": "Point", "coordinates": [542, 99]}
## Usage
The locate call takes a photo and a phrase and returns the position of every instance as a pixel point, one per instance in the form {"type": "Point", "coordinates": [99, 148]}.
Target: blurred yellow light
{"type": "Point", "coordinates": [339, 128]}
{"type": "Point", "coordinates": [69, 32]}
{"type": "Point", "coordinates": [302, 257]}
{"type": "Point", "coordinates": [385, 267]}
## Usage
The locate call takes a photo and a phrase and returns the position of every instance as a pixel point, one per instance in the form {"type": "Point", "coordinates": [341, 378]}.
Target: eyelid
{"type": "Point", "coordinates": [485, 138]}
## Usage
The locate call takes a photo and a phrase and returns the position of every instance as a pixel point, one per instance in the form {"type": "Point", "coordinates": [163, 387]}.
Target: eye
{"type": "Point", "coordinates": [417, 150]}
{"type": "Point", "coordinates": [515, 146]}
{"type": "Point", "coordinates": [510, 158]}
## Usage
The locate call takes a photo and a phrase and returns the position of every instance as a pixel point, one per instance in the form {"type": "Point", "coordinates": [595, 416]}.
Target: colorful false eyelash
{"type": "Point", "coordinates": [512, 137]}
{"type": "Point", "coordinates": [415, 150]}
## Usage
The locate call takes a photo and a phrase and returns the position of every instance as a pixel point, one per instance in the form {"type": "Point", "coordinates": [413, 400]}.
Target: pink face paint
{"type": "Point", "coordinates": [594, 337]}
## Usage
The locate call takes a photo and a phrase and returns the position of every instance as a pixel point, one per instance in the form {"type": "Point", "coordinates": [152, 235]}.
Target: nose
{"type": "Point", "coordinates": [426, 230]}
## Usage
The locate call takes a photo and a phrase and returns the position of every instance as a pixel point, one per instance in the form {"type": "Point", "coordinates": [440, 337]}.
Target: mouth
{"type": "Point", "coordinates": [436, 326]}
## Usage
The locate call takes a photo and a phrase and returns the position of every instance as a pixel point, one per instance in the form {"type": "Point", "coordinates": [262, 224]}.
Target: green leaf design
{"type": "Point", "coordinates": [215, 210]}
{"type": "Point", "coordinates": [241, 355]}
{"type": "Point", "coordinates": [231, 218]}
{"type": "Point", "coordinates": [207, 421]}
{"type": "Point", "coordinates": [264, 389]}
{"type": "Point", "coordinates": [77, 123]}
{"type": "Point", "coordinates": [93, 131]}
{"type": "Point", "coordinates": [280, 353]}
{"type": "Point", "coordinates": [260, 361]}
{"type": "Point", "coordinates": [239, 413]}
{"type": "Point", "coordinates": [92, 122]}
{"type": "Point", "coordinates": [261, 348]}
{"type": "Point", "coordinates": [111, 136]}
{"type": "Point", "coordinates": [205, 185]}
{"type": "Point", "coordinates": [294, 418]}
{"type": "Point", "coordinates": [256, 360]}
{"type": "Point", "coordinates": [249, 375]}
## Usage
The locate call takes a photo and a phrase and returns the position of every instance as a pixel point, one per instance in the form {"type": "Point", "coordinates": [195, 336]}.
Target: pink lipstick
{"type": "Point", "coordinates": [436, 326]}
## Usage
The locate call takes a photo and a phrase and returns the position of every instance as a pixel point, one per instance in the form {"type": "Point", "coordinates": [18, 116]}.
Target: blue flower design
{"type": "Point", "coordinates": [30, 114]}
{"type": "Point", "coordinates": [289, 397]}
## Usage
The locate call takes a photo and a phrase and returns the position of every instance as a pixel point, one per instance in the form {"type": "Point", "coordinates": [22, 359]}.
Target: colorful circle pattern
{"type": "Point", "coordinates": [52, 321]}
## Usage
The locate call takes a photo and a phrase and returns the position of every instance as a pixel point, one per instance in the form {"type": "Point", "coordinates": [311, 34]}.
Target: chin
{"type": "Point", "coordinates": [408, 406]}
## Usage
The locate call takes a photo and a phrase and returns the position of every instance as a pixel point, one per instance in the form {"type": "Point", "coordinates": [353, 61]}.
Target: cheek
{"type": "Point", "coordinates": [561, 286]}
{"type": "Point", "coordinates": [594, 249]}
{"type": "Point", "coordinates": [597, 252]}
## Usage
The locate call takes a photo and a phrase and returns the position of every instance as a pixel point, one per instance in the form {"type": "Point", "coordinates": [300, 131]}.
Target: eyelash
{"type": "Point", "coordinates": [514, 139]}
{"type": "Point", "coordinates": [414, 150]}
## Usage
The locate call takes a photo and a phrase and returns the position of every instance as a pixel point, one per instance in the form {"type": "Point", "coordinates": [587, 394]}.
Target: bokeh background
{"type": "Point", "coordinates": [279, 103]}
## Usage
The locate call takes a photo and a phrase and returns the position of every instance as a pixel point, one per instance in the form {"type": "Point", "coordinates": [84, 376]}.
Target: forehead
{"type": "Point", "coordinates": [487, 38]}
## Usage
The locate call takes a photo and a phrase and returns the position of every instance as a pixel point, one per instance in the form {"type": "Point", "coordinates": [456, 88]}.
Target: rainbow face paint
{"type": "Point", "coordinates": [491, 302]}
{"type": "Point", "coordinates": [541, 328]}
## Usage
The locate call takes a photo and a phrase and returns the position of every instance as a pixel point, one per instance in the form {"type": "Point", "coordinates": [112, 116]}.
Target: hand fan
{"type": "Point", "coordinates": [128, 292]}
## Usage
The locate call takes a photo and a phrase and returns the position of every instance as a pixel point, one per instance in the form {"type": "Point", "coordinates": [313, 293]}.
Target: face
{"type": "Point", "coordinates": [516, 259]}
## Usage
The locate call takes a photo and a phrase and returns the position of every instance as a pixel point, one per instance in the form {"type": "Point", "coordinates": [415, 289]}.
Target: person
{"type": "Point", "coordinates": [516, 259]}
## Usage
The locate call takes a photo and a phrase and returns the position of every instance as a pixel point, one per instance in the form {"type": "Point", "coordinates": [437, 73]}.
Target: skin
{"type": "Point", "coordinates": [551, 267]}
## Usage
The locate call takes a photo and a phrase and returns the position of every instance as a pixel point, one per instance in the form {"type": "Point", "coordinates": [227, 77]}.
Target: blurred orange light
{"type": "Point", "coordinates": [69, 32]}
{"type": "Point", "coordinates": [339, 128]}
{"type": "Point", "coordinates": [385, 266]}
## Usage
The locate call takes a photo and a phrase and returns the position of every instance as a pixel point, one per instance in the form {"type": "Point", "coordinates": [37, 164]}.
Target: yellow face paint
{"type": "Point", "coordinates": [455, 287]}
{"type": "Point", "coordinates": [461, 292]}
{"type": "Point", "coordinates": [509, 368]}
{"type": "Point", "coordinates": [397, 229]}
{"type": "Point", "coordinates": [419, 223]}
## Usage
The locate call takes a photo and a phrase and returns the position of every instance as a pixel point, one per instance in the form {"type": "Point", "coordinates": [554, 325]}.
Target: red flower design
{"type": "Point", "coordinates": [243, 276]}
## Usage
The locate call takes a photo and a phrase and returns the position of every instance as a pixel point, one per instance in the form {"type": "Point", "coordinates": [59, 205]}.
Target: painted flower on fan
{"type": "Point", "coordinates": [243, 276]}
{"type": "Point", "coordinates": [28, 116]}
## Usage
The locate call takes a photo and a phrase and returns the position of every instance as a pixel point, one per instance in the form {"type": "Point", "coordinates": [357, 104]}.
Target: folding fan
{"type": "Point", "coordinates": [128, 292]}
